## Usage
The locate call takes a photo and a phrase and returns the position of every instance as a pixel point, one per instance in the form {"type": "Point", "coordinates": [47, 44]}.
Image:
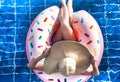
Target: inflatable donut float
{"type": "Point", "coordinates": [42, 29]}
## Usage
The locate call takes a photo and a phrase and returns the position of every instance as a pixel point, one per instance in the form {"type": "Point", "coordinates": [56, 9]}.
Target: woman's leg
{"type": "Point", "coordinates": [64, 15]}
{"type": "Point", "coordinates": [66, 29]}
{"type": "Point", "coordinates": [57, 36]}
{"type": "Point", "coordinates": [62, 19]}
{"type": "Point", "coordinates": [58, 33]}
{"type": "Point", "coordinates": [70, 11]}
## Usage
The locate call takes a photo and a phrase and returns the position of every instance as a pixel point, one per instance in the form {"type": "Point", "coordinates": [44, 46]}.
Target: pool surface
{"type": "Point", "coordinates": [16, 17]}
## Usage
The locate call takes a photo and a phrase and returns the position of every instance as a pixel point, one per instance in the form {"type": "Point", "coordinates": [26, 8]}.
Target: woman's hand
{"type": "Point", "coordinates": [46, 51]}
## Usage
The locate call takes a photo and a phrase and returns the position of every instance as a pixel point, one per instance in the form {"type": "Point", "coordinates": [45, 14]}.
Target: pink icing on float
{"type": "Point", "coordinates": [42, 29]}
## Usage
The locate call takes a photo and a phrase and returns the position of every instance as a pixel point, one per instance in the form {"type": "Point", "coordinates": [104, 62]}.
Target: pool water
{"type": "Point", "coordinates": [16, 17]}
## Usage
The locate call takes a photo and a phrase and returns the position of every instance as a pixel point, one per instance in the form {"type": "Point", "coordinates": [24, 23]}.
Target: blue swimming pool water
{"type": "Point", "coordinates": [16, 17]}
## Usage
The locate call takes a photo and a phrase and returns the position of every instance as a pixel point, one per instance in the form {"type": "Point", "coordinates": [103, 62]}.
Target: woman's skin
{"type": "Point", "coordinates": [65, 31]}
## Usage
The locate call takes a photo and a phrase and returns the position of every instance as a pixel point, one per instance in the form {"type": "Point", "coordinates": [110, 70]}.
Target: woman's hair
{"type": "Point", "coordinates": [67, 66]}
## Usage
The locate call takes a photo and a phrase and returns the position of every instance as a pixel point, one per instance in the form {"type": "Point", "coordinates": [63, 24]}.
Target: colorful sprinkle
{"type": "Point", "coordinates": [51, 25]}
{"type": "Point", "coordinates": [40, 29]}
{"type": "Point", "coordinates": [82, 20]}
{"type": "Point", "coordinates": [31, 38]}
{"type": "Point", "coordinates": [45, 19]}
{"type": "Point", "coordinates": [79, 29]}
{"type": "Point", "coordinates": [89, 42]}
{"type": "Point", "coordinates": [31, 45]}
{"type": "Point", "coordinates": [91, 26]}
{"type": "Point", "coordinates": [47, 43]}
{"type": "Point", "coordinates": [98, 41]}
{"type": "Point", "coordinates": [49, 31]}
{"type": "Point", "coordinates": [30, 53]}
{"type": "Point", "coordinates": [95, 51]}
{"type": "Point", "coordinates": [75, 21]}
{"type": "Point", "coordinates": [79, 80]}
{"type": "Point", "coordinates": [39, 53]}
{"type": "Point", "coordinates": [52, 17]}
{"type": "Point", "coordinates": [40, 72]}
{"type": "Point", "coordinates": [40, 46]}
{"type": "Point", "coordinates": [58, 80]}
{"type": "Point", "coordinates": [51, 79]}
{"type": "Point", "coordinates": [40, 37]}
{"type": "Point", "coordinates": [65, 80]}
{"type": "Point", "coordinates": [31, 30]}
{"type": "Point", "coordinates": [37, 22]}
{"type": "Point", "coordinates": [87, 35]}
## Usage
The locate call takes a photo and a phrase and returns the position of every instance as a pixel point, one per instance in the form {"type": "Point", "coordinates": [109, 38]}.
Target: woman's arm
{"type": "Point", "coordinates": [35, 64]}
{"type": "Point", "coordinates": [95, 70]}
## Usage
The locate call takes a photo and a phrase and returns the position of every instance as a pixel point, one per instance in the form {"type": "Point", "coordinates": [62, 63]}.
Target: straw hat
{"type": "Point", "coordinates": [67, 57]}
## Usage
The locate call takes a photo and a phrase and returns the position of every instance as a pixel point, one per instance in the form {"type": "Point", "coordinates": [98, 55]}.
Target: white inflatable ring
{"type": "Point", "coordinates": [42, 29]}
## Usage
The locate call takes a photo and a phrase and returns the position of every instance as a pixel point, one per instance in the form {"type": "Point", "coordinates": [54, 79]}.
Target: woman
{"type": "Point", "coordinates": [64, 32]}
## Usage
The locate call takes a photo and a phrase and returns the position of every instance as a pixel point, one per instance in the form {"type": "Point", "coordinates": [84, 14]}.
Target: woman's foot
{"type": "Point", "coordinates": [63, 2]}
{"type": "Point", "coordinates": [63, 14]}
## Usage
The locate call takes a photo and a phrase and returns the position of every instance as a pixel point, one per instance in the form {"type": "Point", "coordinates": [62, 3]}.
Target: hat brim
{"type": "Point", "coordinates": [63, 49]}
